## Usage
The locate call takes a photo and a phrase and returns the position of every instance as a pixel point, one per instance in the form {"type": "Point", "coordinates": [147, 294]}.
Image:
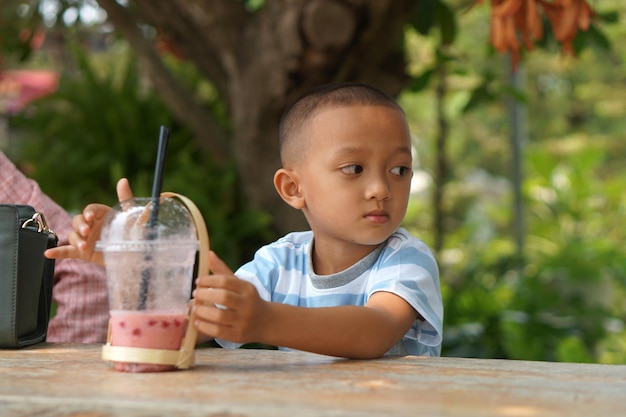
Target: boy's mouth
{"type": "Point", "coordinates": [377, 216]}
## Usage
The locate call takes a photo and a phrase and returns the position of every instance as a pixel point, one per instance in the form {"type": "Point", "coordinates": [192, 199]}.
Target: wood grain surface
{"type": "Point", "coordinates": [56, 380]}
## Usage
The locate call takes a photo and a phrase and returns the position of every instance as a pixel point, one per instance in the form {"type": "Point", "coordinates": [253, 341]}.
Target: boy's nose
{"type": "Point", "coordinates": [378, 189]}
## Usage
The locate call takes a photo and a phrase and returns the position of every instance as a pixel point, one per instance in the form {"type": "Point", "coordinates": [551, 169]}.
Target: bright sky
{"type": "Point", "coordinates": [88, 13]}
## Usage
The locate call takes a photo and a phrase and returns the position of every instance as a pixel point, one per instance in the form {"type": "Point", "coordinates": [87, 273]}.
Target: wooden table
{"type": "Point", "coordinates": [71, 380]}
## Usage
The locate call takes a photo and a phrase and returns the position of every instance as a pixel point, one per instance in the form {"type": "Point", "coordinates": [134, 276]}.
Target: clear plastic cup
{"type": "Point", "coordinates": [149, 258]}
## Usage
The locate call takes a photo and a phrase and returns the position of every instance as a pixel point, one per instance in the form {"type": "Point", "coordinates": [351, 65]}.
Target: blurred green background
{"type": "Point", "coordinates": [532, 259]}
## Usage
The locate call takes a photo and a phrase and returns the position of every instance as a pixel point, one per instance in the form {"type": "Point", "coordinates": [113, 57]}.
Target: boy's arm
{"type": "Point", "coordinates": [347, 331]}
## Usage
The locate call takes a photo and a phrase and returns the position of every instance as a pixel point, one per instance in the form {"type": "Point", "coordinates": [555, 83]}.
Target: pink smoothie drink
{"type": "Point", "coordinates": [149, 271]}
{"type": "Point", "coordinates": [147, 329]}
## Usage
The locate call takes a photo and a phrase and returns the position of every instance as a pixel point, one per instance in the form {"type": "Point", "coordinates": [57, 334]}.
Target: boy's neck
{"type": "Point", "coordinates": [331, 259]}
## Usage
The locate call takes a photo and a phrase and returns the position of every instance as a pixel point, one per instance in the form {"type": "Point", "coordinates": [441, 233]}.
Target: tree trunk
{"type": "Point", "coordinates": [442, 167]}
{"type": "Point", "coordinates": [259, 61]}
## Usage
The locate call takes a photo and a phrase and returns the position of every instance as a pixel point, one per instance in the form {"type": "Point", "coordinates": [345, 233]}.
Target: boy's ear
{"type": "Point", "coordinates": [286, 183]}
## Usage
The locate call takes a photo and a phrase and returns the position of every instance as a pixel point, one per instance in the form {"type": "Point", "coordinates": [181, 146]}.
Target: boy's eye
{"type": "Point", "coordinates": [400, 170]}
{"type": "Point", "coordinates": [352, 169]}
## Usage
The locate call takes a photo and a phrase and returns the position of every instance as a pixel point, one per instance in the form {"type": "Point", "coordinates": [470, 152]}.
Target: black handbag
{"type": "Point", "coordinates": [26, 276]}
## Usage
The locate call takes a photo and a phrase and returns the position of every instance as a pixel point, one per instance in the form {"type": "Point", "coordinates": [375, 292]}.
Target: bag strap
{"type": "Point", "coordinates": [47, 278]}
{"type": "Point", "coordinates": [47, 282]}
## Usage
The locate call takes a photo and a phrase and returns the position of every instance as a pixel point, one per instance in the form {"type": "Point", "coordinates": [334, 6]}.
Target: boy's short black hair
{"type": "Point", "coordinates": [323, 97]}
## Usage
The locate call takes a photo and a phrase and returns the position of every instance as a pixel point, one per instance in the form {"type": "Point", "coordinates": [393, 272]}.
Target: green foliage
{"type": "Point", "coordinates": [18, 24]}
{"type": "Point", "coordinates": [574, 278]}
{"type": "Point", "coordinates": [421, 81]}
{"type": "Point", "coordinates": [435, 13]}
{"type": "Point", "coordinates": [567, 303]}
{"type": "Point", "coordinates": [613, 348]}
{"type": "Point", "coordinates": [565, 300]}
{"type": "Point", "coordinates": [254, 5]}
{"type": "Point", "coordinates": [103, 125]}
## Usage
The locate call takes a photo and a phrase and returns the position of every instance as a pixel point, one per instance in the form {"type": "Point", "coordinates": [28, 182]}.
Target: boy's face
{"type": "Point", "coordinates": [355, 175]}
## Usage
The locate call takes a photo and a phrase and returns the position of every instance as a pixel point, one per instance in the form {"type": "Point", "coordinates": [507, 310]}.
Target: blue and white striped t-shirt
{"type": "Point", "coordinates": [282, 272]}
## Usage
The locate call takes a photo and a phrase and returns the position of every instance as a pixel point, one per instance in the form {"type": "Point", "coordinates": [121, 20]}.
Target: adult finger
{"type": "Point", "coordinates": [92, 213]}
{"type": "Point", "coordinates": [82, 223]}
{"type": "Point", "coordinates": [62, 252]}
{"type": "Point", "coordinates": [124, 193]}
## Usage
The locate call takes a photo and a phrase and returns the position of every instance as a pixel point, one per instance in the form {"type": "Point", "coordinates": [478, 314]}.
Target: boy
{"type": "Point", "coordinates": [356, 285]}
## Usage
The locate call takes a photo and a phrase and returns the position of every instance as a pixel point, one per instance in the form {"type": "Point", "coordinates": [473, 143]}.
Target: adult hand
{"type": "Point", "coordinates": [87, 227]}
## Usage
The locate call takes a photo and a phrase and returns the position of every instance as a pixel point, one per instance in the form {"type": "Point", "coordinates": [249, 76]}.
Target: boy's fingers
{"type": "Point", "coordinates": [217, 265]}
{"type": "Point", "coordinates": [222, 276]}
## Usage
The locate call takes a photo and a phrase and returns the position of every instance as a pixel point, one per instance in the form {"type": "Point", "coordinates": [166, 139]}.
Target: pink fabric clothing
{"type": "Point", "coordinates": [79, 287]}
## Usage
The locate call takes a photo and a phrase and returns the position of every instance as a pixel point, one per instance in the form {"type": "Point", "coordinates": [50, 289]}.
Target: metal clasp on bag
{"type": "Point", "coordinates": [42, 226]}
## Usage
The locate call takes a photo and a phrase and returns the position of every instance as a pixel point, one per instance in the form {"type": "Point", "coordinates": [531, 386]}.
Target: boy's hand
{"type": "Point", "coordinates": [227, 307]}
{"type": "Point", "coordinates": [87, 227]}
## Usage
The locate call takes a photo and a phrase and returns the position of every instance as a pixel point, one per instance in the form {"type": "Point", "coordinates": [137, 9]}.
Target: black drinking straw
{"type": "Point", "coordinates": [157, 182]}
{"type": "Point", "coordinates": [152, 231]}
